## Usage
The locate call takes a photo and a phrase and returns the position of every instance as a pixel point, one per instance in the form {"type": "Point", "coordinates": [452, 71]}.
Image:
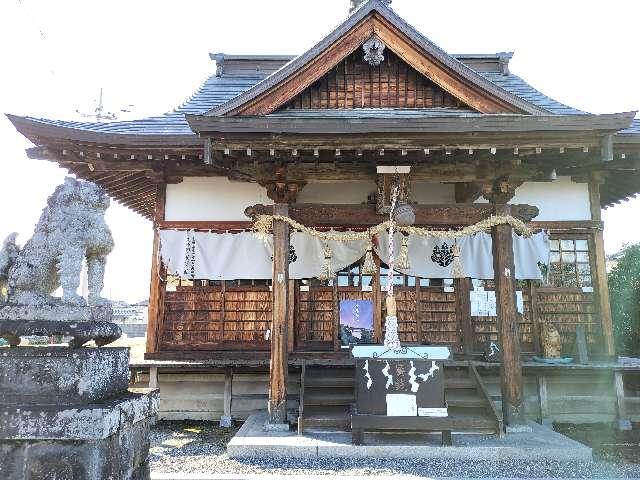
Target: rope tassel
{"type": "Point", "coordinates": [457, 270]}
{"type": "Point", "coordinates": [403, 257]}
{"type": "Point", "coordinates": [369, 266]}
{"type": "Point", "coordinates": [327, 271]}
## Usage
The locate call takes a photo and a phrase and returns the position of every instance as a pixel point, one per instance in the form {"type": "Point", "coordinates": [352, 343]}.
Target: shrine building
{"type": "Point", "coordinates": [267, 189]}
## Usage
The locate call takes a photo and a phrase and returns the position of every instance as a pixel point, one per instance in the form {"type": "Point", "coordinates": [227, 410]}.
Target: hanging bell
{"type": "Point", "coordinates": [404, 214]}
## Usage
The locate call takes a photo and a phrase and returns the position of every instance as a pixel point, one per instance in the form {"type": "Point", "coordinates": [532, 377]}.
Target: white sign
{"type": "Point", "coordinates": [433, 412]}
{"type": "Point", "coordinates": [401, 405]}
{"type": "Point", "coordinates": [484, 303]}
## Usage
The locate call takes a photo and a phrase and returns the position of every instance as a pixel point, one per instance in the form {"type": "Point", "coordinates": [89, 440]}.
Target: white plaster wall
{"type": "Point", "coordinates": [559, 200]}
{"type": "Point", "coordinates": [428, 193]}
{"type": "Point", "coordinates": [212, 199]}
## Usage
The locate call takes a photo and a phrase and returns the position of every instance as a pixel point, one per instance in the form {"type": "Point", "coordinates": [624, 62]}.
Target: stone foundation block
{"type": "Point", "coordinates": [109, 440]}
{"type": "Point", "coordinates": [62, 376]}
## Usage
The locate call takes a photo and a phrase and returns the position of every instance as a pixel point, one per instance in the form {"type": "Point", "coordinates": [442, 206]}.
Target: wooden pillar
{"type": "Point", "coordinates": [543, 400]}
{"type": "Point", "coordinates": [623, 419]}
{"type": "Point", "coordinates": [158, 277]}
{"type": "Point", "coordinates": [508, 335]}
{"type": "Point", "coordinates": [462, 288]}
{"type": "Point", "coordinates": [599, 276]}
{"type": "Point", "coordinates": [377, 303]}
{"type": "Point", "coordinates": [294, 289]}
{"type": "Point", "coordinates": [534, 315]}
{"type": "Point", "coordinates": [226, 420]}
{"type": "Point", "coordinates": [153, 377]}
{"type": "Point", "coordinates": [278, 368]}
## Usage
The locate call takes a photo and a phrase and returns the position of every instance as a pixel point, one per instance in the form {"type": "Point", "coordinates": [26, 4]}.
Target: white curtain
{"type": "Point", "coordinates": [236, 256]}
{"type": "Point", "coordinates": [432, 258]}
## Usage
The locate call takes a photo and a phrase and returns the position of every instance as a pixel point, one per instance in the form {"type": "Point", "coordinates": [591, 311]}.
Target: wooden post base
{"type": "Point", "coordinates": [277, 416]}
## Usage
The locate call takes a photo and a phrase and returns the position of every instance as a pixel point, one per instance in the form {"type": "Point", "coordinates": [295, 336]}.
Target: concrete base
{"type": "Point", "coordinates": [518, 428]}
{"type": "Point", "coordinates": [541, 443]}
{"type": "Point", "coordinates": [226, 421]}
{"type": "Point", "coordinates": [624, 424]}
{"type": "Point", "coordinates": [276, 427]}
{"type": "Point", "coordinates": [95, 441]}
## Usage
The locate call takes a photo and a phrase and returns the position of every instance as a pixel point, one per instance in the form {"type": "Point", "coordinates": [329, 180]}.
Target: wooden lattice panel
{"type": "Point", "coordinates": [438, 315]}
{"type": "Point", "coordinates": [486, 327]}
{"type": "Point", "coordinates": [566, 308]}
{"type": "Point", "coordinates": [210, 318]}
{"type": "Point", "coordinates": [353, 83]}
{"type": "Point", "coordinates": [316, 318]}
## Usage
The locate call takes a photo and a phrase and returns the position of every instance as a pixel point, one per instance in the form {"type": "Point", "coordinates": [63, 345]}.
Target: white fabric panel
{"type": "Point", "coordinates": [243, 255]}
{"type": "Point", "coordinates": [230, 256]}
{"type": "Point", "coordinates": [475, 254]}
{"type": "Point", "coordinates": [527, 252]}
{"type": "Point", "coordinates": [310, 253]}
{"type": "Point", "coordinates": [172, 250]}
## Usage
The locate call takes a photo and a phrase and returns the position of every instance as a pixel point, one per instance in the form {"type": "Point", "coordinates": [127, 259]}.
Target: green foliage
{"type": "Point", "coordinates": [624, 289]}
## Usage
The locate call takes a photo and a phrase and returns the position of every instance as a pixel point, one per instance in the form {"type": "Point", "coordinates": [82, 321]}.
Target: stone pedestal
{"type": "Point", "coordinates": [67, 414]}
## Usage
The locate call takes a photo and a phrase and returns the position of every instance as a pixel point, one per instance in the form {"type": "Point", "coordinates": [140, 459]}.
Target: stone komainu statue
{"type": "Point", "coordinates": [71, 228]}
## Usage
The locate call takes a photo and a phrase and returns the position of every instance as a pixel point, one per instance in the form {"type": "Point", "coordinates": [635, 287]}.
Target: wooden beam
{"type": "Point", "coordinates": [462, 287]}
{"type": "Point", "coordinates": [377, 302]}
{"type": "Point", "coordinates": [513, 406]}
{"type": "Point", "coordinates": [467, 192]}
{"type": "Point", "coordinates": [316, 215]}
{"type": "Point", "coordinates": [278, 370]}
{"type": "Point", "coordinates": [158, 279]}
{"type": "Point", "coordinates": [294, 291]}
{"type": "Point", "coordinates": [599, 276]}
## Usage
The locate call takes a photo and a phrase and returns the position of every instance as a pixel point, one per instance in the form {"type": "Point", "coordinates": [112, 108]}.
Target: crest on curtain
{"type": "Point", "coordinates": [293, 256]}
{"type": "Point", "coordinates": [443, 255]}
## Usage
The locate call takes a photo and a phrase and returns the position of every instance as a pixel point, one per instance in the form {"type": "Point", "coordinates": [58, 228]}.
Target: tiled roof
{"type": "Point", "coordinates": [633, 129]}
{"type": "Point", "coordinates": [517, 86]}
{"type": "Point", "coordinates": [213, 92]}
{"type": "Point", "coordinates": [218, 90]}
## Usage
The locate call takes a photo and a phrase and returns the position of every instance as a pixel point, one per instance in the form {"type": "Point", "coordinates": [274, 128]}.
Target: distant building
{"type": "Point", "coordinates": [131, 318]}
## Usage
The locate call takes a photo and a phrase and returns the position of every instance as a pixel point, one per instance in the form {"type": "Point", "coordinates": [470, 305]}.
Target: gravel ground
{"type": "Point", "coordinates": [199, 447]}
